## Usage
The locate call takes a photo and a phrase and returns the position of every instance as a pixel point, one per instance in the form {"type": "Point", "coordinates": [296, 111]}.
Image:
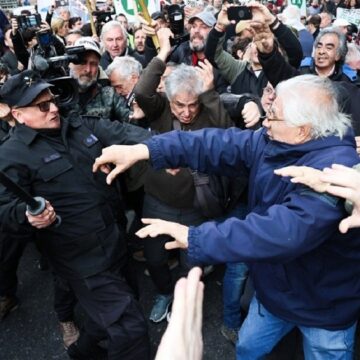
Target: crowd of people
{"type": "Point", "coordinates": [234, 142]}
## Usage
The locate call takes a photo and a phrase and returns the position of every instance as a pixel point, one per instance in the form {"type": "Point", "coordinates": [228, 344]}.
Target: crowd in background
{"type": "Point", "coordinates": [191, 66]}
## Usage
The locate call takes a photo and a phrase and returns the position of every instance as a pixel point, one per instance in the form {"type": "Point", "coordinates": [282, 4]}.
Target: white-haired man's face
{"type": "Point", "coordinates": [277, 128]}
{"type": "Point", "coordinates": [114, 42]}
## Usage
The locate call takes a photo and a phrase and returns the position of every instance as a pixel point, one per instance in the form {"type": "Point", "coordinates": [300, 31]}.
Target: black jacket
{"type": "Point", "coordinates": [58, 167]}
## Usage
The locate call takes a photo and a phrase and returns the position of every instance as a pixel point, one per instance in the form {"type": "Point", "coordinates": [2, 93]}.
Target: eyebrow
{"type": "Point", "coordinates": [326, 44]}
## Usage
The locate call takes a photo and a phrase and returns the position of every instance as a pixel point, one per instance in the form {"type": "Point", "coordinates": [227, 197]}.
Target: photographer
{"type": "Point", "coordinates": [26, 45]}
{"type": "Point", "coordinates": [95, 99]}
{"type": "Point", "coordinates": [9, 57]}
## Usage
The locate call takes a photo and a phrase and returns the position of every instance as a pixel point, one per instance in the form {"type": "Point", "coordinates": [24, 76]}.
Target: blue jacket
{"type": "Point", "coordinates": [304, 271]}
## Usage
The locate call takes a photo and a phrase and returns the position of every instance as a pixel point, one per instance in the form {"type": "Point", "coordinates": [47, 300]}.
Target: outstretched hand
{"type": "Point", "coordinates": [345, 183]}
{"type": "Point", "coordinates": [183, 337]}
{"type": "Point", "coordinates": [156, 227]}
{"type": "Point", "coordinates": [304, 175]}
{"type": "Point", "coordinates": [122, 156]}
{"type": "Point", "coordinates": [338, 180]}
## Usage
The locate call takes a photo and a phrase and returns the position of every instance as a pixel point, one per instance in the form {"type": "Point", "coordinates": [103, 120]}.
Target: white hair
{"type": "Point", "coordinates": [125, 66]}
{"type": "Point", "coordinates": [184, 78]}
{"type": "Point", "coordinates": [313, 100]}
{"type": "Point", "coordinates": [353, 53]}
{"type": "Point", "coordinates": [112, 25]}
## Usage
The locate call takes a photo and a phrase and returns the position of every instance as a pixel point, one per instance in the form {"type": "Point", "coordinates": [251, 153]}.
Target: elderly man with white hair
{"type": "Point", "coordinates": [124, 73]}
{"type": "Point", "coordinates": [305, 272]}
{"type": "Point", "coordinates": [114, 41]}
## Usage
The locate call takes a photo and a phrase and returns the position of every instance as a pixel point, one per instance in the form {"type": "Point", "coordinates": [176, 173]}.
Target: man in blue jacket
{"type": "Point", "coordinates": [305, 272]}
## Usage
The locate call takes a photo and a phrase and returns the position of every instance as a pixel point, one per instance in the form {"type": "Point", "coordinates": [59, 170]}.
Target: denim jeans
{"type": "Point", "coordinates": [234, 282]}
{"type": "Point", "coordinates": [261, 331]}
{"type": "Point", "coordinates": [233, 287]}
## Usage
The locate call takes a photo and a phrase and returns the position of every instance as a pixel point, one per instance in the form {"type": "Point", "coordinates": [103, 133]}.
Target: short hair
{"type": "Point", "coordinates": [57, 24]}
{"type": "Point", "coordinates": [353, 53]}
{"type": "Point", "coordinates": [122, 14]}
{"type": "Point", "coordinates": [184, 78]}
{"type": "Point", "coordinates": [314, 20]}
{"type": "Point", "coordinates": [125, 66]}
{"type": "Point", "coordinates": [311, 99]}
{"type": "Point", "coordinates": [342, 49]}
{"type": "Point", "coordinates": [239, 44]}
{"type": "Point", "coordinates": [73, 20]}
{"type": "Point", "coordinates": [136, 29]}
{"type": "Point", "coordinates": [112, 24]}
{"type": "Point", "coordinates": [29, 34]}
{"type": "Point", "coordinates": [326, 14]}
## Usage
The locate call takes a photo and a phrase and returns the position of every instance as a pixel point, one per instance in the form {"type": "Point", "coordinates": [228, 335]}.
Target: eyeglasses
{"type": "Point", "coordinates": [270, 115]}
{"type": "Point", "coordinates": [267, 90]}
{"type": "Point", "coordinates": [44, 106]}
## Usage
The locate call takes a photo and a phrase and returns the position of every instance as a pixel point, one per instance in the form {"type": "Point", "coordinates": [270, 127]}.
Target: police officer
{"type": "Point", "coordinates": [52, 157]}
{"type": "Point", "coordinates": [11, 244]}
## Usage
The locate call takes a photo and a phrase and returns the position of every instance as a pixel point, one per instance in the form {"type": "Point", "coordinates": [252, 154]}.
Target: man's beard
{"type": "Point", "coordinates": [199, 47]}
{"type": "Point", "coordinates": [84, 82]}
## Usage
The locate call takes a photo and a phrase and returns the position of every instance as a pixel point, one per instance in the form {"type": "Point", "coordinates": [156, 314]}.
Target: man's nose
{"type": "Point", "coordinates": [53, 107]}
{"type": "Point", "coordinates": [186, 112]}
{"type": "Point", "coordinates": [266, 123]}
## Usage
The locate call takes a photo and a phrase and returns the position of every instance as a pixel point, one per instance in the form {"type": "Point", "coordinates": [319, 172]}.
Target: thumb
{"type": "Point", "coordinates": [347, 224]}
{"type": "Point", "coordinates": [172, 245]}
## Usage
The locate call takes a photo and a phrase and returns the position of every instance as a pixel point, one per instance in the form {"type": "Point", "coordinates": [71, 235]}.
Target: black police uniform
{"type": "Point", "coordinates": [88, 249]}
{"type": "Point", "coordinates": [12, 245]}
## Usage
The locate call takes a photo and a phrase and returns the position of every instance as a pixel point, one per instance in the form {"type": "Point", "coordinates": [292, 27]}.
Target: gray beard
{"type": "Point", "coordinates": [83, 86]}
{"type": "Point", "coordinates": [197, 48]}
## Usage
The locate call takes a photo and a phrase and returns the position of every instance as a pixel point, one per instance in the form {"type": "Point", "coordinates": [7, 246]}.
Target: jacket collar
{"type": "Point", "coordinates": [27, 135]}
{"type": "Point", "coordinates": [276, 149]}
{"type": "Point", "coordinates": [24, 133]}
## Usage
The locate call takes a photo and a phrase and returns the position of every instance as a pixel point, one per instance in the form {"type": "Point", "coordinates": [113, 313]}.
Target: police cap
{"type": "Point", "coordinates": [21, 89]}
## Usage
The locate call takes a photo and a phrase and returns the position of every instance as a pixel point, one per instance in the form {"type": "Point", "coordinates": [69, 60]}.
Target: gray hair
{"type": "Point", "coordinates": [125, 66]}
{"type": "Point", "coordinates": [112, 25]}
{"type": "Point", "coordinates": [342, 49]}
{"type": "Point", "coordinates": [311, 99]}
{"type": "Point", "coordinates": [353, 53]}
{"type": "Point", "coordinates": [184, 78]}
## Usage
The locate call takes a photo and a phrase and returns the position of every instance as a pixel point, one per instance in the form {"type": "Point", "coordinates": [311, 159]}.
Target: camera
{"type": "Point", "coordinates": [53, 69]}
{"type": "Point", "coordinates": [44, 38]}
{"type": "Point", "coordinates": [102, 17]}
{"type": "Point", "coordinates": [26, 21]}
{"type": "Point", "coordinates": [175, 14]}
{"type": "Point", "coordinates": [238, 13]}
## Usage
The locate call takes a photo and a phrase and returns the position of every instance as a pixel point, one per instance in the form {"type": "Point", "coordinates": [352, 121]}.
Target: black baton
{"type": "Point", "coordinates": [34, 205]}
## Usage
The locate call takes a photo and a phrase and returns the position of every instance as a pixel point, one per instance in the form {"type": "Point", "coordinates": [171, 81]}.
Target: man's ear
{"type": "Point", "coordinates": [17, 115]}
{"type": "Point", "coordinates": [304, 134]}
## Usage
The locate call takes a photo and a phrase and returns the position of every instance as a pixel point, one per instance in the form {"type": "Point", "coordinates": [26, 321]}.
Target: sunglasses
{"type": "Point", "coordinates": [44, 106]}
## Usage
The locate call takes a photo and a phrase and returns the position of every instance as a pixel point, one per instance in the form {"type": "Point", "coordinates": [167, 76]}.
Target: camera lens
{"type": "Point", "coordinates": [241, 14]}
